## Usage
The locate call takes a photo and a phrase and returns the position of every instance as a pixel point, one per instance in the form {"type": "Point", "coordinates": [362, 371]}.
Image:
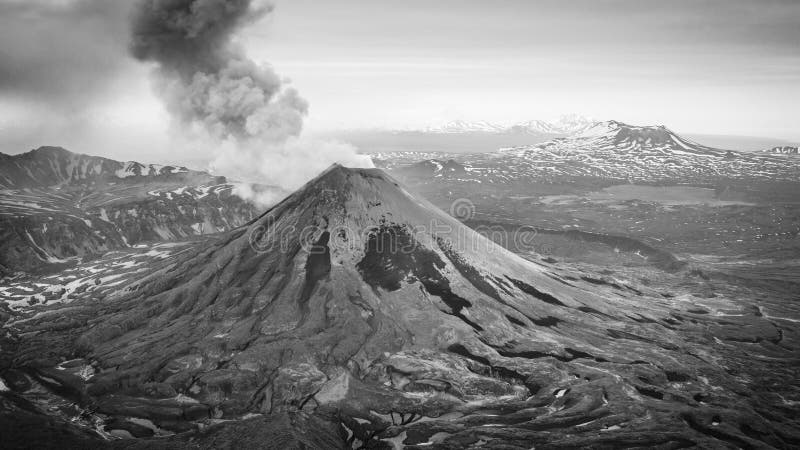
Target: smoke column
{"type": "Point", "coordinates": [209, 84]}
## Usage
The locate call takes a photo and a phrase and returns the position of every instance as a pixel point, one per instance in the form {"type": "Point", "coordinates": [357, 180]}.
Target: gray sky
{"type": "Point", "coordinates": [701, 66]}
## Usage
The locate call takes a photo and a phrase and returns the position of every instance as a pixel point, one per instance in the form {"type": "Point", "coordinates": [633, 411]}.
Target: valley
{"type": "Point", "coordinates": [447, 302]}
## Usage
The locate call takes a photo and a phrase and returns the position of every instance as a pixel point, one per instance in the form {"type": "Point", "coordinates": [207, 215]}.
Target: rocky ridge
{"type": "Point", "coordinates": [57, 206]}
{"type": "Point", "coordinates": [53, 166]}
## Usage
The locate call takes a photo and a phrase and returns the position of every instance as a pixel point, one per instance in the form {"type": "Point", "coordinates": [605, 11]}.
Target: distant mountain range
{"type": "Point", "coordinates": [565, 125]}
{"type": "Point", "coordinates": [463, 126]}
{"type": "Point", "coordinates": [462, 136]}
{"type": "Point", "coordinates": [57, 206]}
{"type": "Point", "coordinates": [606, 150]}
{"type": "Point", "coordinates": [54, 166]}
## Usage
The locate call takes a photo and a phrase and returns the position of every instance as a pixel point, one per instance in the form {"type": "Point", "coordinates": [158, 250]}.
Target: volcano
{"type": "Point", "coordinates": [363, 313]}
{"type": "Point", "coordinates": [624, 137]}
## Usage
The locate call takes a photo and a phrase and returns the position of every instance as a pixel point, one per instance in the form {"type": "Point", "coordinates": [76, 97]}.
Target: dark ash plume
{"type": "Point", "coordinates": [205, 78]}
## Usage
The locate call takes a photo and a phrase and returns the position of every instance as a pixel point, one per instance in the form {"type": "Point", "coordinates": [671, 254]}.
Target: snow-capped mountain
{"type": "Point", "coordinates": [462, 126]}
{"type": "Point", "coordinates": [52, 166]}
{"type": "Point", "coordinates": [623, 137]}
{"type": "Point", "coordinates": [57, 206]}
{"type": "Point", "coordinates": [611, 150]}
{"type": "Point", "coordinates": [564, 126]}
{"type": "Point", "coordinates": [387, 320]}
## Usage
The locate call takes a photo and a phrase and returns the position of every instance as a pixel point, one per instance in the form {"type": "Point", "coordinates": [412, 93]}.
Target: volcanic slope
{"type": "Point", "coordinates": [356, 303]}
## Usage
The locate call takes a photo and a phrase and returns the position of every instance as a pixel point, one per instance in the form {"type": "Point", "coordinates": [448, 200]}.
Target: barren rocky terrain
{"type": "Point", "coordinates": [356, 314]}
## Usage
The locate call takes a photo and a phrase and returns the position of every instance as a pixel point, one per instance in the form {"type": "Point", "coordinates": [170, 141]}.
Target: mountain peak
{"type": "Point", "coordinates": [600, 129]}
{"type": "Point", "coordinates": [568, 124]}
{"type": "Point", "coordinates": [51, 150]}
{"type": "Point", "coordinates": [463, 126]}
{"type": "Point", "coordinates": [564, 125]}
{"type": "Point", "coordinates": [623, 136]}
{"type": "Point", "coordinates": [50, 165]}
{"type": "Point", "coordinates": [340, 178]}
{"type": "Point", "coordinates": [355, 199]}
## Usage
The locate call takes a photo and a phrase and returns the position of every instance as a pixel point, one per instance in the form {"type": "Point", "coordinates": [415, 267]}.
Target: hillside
{"type": "Point", "coordinates": [57, 207]}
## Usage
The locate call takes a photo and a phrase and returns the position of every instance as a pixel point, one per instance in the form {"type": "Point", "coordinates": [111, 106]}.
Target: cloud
{"type": "Point", "coordinates": [205, 78]}
{"type": "Point", "coordinates": [64, 53]}
{"type": "Point", "coordinates": [242, 108]}
{"type": "Point", "coordinates": [286, 164]}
